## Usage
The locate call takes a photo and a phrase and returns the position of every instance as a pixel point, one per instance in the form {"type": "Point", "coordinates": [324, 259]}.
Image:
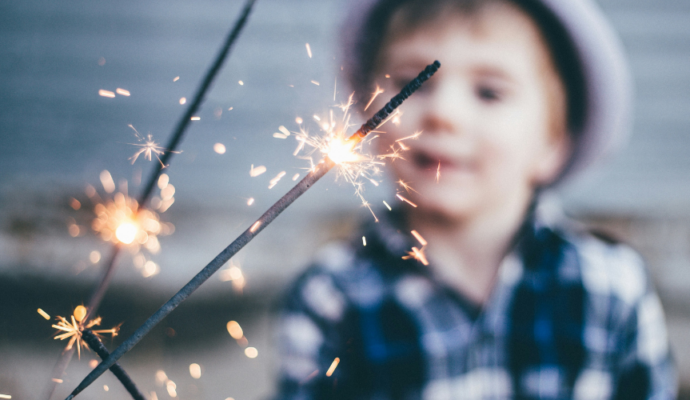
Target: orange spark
{"type": "Point", "coordinates": [438, 172]}
{"type": "Point", "coordinates": [419, 238]}
{"type": "Point", "coordinates": [405, 200]}
{"type": "Point", "coordinates": [254, 172]}
{"type": "Point", "coordinates": [413, 137]}
{"type": "Point", "coordinates": [254, 227]}
{"type": "Point", "coordinates": [275, 180]}
{"type": "Point", "coordinates": [374, 95]}
{"type": "Point", "coordinates": [308, 50]}
{"type": "Point", "coordinates": [44, 314]}
{"type": "Point", "coordinates": [386, 204]}
{"type": "Point", "coordinates": [406, 186]}
{"type": "Point", "coordinates": [333, 366]}
{"type": "Point", "coordinates": [106, 93]}
{"type": "Point", "coordinates": [122, 92]}
{"type": "Point", "coordinates": [219, 148]}
{"type": "Point", "coordinates": [315, 83]}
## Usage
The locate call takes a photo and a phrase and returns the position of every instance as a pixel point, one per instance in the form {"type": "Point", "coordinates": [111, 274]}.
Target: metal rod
{"type": "Point", "coordinates": [175, 140]}
{"type": "Point", "coordinates": [320, 170]}
{"type": "Point", "coordinates": [96, 345]}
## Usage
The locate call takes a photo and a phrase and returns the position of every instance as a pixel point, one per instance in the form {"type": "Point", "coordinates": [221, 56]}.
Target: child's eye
{"type": "Point", "coordinates": [488, 93]}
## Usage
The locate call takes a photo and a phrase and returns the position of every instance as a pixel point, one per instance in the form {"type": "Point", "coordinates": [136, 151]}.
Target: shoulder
{"type": "Point", "coordinates": [610, 269]}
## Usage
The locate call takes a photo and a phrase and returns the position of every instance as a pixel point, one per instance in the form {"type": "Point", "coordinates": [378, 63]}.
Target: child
{"type": "Point", "coordinates": [508, 305]}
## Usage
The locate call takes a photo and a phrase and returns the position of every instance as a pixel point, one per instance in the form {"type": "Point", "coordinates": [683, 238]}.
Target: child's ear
{"type": "Point", "coordinates": [554, 156]}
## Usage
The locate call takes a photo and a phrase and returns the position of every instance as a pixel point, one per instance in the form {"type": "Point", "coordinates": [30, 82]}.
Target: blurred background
{"type": "Point", "coordinates": [58, 135]}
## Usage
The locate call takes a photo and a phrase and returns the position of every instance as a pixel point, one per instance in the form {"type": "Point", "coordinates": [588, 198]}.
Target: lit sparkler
{"type": "Point", "coordinates": [318, 171]}
{"type": "Point", "coordinates": [72, 329]}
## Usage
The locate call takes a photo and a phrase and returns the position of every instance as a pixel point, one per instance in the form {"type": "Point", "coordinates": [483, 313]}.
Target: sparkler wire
{"type": "Point", "coordinates": [178, 133]}
{"type": "Point", "coordinates": [312, 177]}
{"type": "Point", "coordinates": [96, 345]}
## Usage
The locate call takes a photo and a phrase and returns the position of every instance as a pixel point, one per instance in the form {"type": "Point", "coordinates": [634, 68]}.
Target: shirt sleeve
{"type": "Point", "coordinates": [646, 369]}
{"type": "Point", "coordinates": [308, 337]}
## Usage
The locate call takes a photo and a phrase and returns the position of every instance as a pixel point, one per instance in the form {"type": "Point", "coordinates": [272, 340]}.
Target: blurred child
{"type": "Point", "coordinates": [498, 302]}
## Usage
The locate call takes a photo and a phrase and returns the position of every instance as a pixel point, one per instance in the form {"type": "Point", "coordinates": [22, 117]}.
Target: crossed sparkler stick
{"type": "Point", "coordinates": [312, 177]}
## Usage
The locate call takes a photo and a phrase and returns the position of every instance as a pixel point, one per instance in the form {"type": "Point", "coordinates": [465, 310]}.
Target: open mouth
{"type": "Point", "coordinates": [432, 162]}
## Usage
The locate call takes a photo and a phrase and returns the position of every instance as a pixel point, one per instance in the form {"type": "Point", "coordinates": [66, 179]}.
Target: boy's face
{"type": "Point", "coordinates": [487, 116]}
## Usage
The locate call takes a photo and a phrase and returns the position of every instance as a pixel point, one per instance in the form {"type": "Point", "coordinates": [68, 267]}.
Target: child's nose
{"type": "Point", "coordinates": [447, 109]}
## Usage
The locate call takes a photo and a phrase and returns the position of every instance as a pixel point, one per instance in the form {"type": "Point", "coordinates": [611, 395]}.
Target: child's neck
{"type": "Point", "coordinates": [467, 253]}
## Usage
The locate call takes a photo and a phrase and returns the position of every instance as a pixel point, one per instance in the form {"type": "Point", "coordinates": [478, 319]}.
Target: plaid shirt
{"type": "Point", "coordinates": [570, 317]}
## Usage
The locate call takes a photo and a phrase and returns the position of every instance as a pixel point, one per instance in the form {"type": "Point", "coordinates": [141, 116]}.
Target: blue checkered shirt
{"type": "Point", "coordinates": [571, 317]}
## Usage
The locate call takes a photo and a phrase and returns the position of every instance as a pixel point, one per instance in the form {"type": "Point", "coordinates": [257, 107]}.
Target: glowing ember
{"type": "Point", "coordinates": [254, 227]}
{"type": "Point", "coordinates": [251, 352]}
{"type": "Point", "coordinates": [419, 237]}
{"type": "Point", "coordinates": [161, 377]}
{"type": "Point", "coordinates": [122, 92]}
{"type": "Point", "coordinates": [75, 204]}
{"type": "Point", "coordinates": [219, 148]}
{"type": "Point", "coordinates": [275, 180]}
{"type": "Point", "coordinates": [106, 93]}
{"type": "Point", "coordinates": [294, 177]}
{"type": "Point", "coordinates": [56, 380]}
{"type": "Point", "coordinates": [374, 95]}
{"type": "Point", "coordinates": [183, 100]}
{"type": "Point", "coordinates": [250, 201]}
{"type": "Point", "coordinates": [241, 83]}
{"type": "Point", "coordinates": [196, 118]}
{"type": "Point", "coordinates": [315, 82]}
{"type": "Point", "coordinates": [387, 206]}
{"type": "Point", "coordinates": [79, 313]}
{"type": "Point", "coordinates": [44, 314]}
{"type": "Point", "coordinates": [254, 172]}
{"type": "Point", "coordinates": [107, 181]}
{"type": "Point", "coordinates": [235, 330]}
{"type": "Point", "coordinates": [177, 78]}
{"type": "Point", "coordinates": [364, 240]}
{"type": "Point", "coordinates": [279, 135]}
{"type": "Point", "coordinates": [299, 120]}
{"type": "Point", "coordinates": [95, 256]}
{"type": "Point", "coordinates": [195, 370]}
{"type": "Point", "coordinates": [172, 388]}
{"type": "Point", "coordinates": [163, 181]}
{"type": "Point", "coordinates": [150, 269]}
{"type": "Point", "coordinates": [405, 186]}
{"type": "Point", "coordinates": [405, 200]}
{"type": "Point", "coordinates": [308, 50]}
{"type": "Point", "coordinates": [106, 388]}
{"type": "Point", "coordinates": [333, 366]}
{"type": "Point", "coordinates": [5, 396]}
